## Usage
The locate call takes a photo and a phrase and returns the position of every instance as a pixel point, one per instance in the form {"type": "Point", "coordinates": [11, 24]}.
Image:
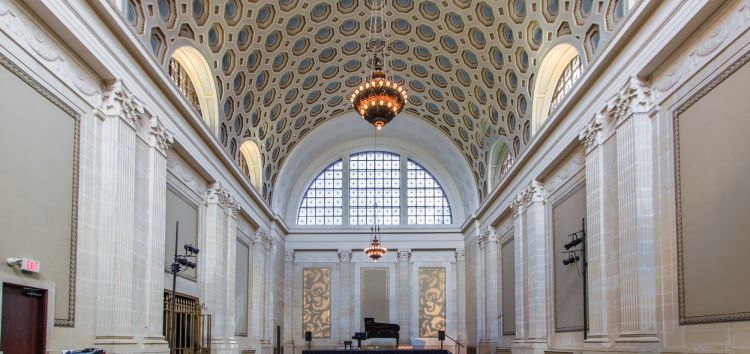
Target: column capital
{"type": "Point", "coordinates": [262, 238]}
{"type": "Point", "coordinates": [635, 97]}
{"type": "Point", "coordinates": [289, 256]}
{"type": "Point", "coordinates": [535, 192]}
{"type": "Point", "coordinates": [216, 194]}
{"type": "Point", "coordinates": [486, 237]}
{"type": "Point", "coordinates": [345, 256]}
{"type": "Point", "coordinates": [591, 135]}
{"type": "Point", "coordinates": [460, 254]}
{"type": "Point", "coordinates": [404, 254]}
{"type": "Point", "coordinates": [157, 135]}
{"type": "Point", "coordinates": [118, 101]}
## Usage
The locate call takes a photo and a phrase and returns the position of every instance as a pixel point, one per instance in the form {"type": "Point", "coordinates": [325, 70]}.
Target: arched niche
{"type": "Point", "coordinates": [199, 73]}
{"type": "Point", "coordinates": [549, 74]}
{"type": "Point", "coordinates": [251, 163]}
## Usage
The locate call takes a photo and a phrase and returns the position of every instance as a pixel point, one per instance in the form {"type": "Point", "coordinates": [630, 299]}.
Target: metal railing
{"type": "Point", "coordinates": [192, 326]}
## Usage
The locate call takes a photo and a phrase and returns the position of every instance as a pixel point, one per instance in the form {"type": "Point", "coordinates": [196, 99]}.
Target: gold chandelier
{"type": "Point", "coordinates": [375, 250]}
{"type": "Point", "coordinates": [379, 100]}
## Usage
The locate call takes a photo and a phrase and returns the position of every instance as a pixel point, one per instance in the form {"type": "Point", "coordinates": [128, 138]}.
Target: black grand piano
{"type": "Point", "coordinates": [379, 330]}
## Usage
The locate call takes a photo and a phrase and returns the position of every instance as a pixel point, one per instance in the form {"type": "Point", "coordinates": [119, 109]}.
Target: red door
{"type": "Point", "coordinates": [24, 320]}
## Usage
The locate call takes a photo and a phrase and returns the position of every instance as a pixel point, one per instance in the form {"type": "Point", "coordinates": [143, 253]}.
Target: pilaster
{"type": "Point", "coordinates": [346, 305]}
{"type": "Point", "coordinates": [531, 252]}
{"type": "Point", "coordinates": [491, 285]}
{"type": "Point", "coordinates": [259, 286]}
{"type": "Point", "coordinates": [404, 290]}
{"type": "Point", "coordinates": [216, 266]}
{"type": "Point", "coordinates": [288, 301]}
{"type": "Point", "coordinates": [629, 111]}
{"type": "Point", "coordinates": [481, 289]}
{"type": "Point", "coordinates": [519, 245]}
{"type": "Point", "coordinates": [461, 289]}
{"type": "Point", "coordinates": [536, 261]}
{"type": "Point", "coordinates": [592, 138]}
{"type": "Point", "coordinates": [120, 111]}
{"type": "Point", "coordinates": [158, 141]}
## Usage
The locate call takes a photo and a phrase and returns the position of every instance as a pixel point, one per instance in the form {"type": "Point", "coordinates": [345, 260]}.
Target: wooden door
{"type": "Point", "coordinates": [24, 320]}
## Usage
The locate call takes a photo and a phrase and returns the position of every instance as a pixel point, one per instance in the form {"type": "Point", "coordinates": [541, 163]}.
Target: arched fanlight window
{"type": "Point", "coordinates": [323, 200]}
{"type": "Point", "coordinates": [557, 74]}
{"type": "Point", "coordinates": [569, 76]}
{"type": "Point", "coordinates": [427, 203]}
{"type": "Point", "coordinates": [181, 79]}
{"type": "Point", "coordinates": [501, 160]}
{"type": "Point", "coordinates": [374, 188]}
{"type": "Point", "coordinates": [374, 193]}
{"type": "Point", "coordinates": [192, 75]}
{"type": "Point", "coordinates": [251, 163]}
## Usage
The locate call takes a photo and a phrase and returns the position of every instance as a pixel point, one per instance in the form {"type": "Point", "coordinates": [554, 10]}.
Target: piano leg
{"type": "Point", "coordinates": [397, 341]}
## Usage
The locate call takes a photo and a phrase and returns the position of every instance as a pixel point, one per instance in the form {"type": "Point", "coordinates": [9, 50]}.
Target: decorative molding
{"type": "Point", "coordinates": [262, 238]}
{"type": "Point", "coordinates": [289, 256]}
{"type": "Point", "coordinates": [69, 321]}
{"type": "Point", "coordinates": [739, 316]}
{"type": "Point", "coordinates": [243, 227]}
{"type": "Point", "coordinates": [186, 174]}
{"type": "Point", "coordinates": [591, 135]}
{"type": "Point", "coordinates": [486, 237]}
{"type": "Point", "coordinates": [30, 36]}
{"type": "Point", "coordinates": [345, 255]}
{"type": "Point", "coordinates": [535, 192]}
{"type": "Point", "coordinates": [217, 194]}
{"type": "Point", "coordinates": [635, 97]}
{"type": "Point", "coordinates": [460, 254]}
{"type": "Point", "coordinates": [404, 254]}
{"type": "Point", "coordinates": [118, 101]}
{"type": "Point", "coordinates": [711, 42]}
{"type": "Point", "coordinates": [158, 136]}
{"type": "Point", "coordinates": [572, 164]}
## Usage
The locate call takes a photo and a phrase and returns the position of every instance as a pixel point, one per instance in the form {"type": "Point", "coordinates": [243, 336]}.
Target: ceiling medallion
{"type": "Point", "coordinates": [379, 100]}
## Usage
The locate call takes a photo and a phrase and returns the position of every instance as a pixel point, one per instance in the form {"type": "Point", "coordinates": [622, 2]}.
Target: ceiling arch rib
{"type": "Point", "coordinates": [284, 67]}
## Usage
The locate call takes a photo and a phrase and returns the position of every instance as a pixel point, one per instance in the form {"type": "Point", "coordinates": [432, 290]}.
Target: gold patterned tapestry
{"type": "Point", "coordinates": [431, 301]}
{"type": "Point", "coordinates": [316, 301]}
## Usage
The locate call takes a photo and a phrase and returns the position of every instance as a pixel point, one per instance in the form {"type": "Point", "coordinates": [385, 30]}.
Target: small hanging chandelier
{"type": "Point", "coordinates": [379, 100]}
{"type": "Point", "coordinates": [375, 250]}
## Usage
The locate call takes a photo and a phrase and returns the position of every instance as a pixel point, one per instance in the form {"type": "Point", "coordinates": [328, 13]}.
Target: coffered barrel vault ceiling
{"type": "Point", "coordinates": [283, 67]}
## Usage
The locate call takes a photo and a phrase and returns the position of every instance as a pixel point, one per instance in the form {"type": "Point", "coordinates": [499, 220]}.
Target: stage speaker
{"type": "Point", "coordinates": [441, 335]}
{"type": "Point", "coordinates": [308, 336]}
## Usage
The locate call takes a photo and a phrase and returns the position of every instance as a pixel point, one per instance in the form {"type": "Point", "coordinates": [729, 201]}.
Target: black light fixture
{"type": "Point", "coordinates": [181, 263]}
{"type": "Point", "coordinates": [578, 238]}
{"type": "Point", "coordinates": [308, 339]}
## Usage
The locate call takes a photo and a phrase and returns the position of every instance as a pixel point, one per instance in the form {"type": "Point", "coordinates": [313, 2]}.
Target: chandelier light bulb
{"type": "Point", "coordinates": [380, 100]}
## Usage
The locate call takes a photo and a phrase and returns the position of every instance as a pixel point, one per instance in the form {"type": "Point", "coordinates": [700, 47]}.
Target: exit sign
{"type": "Point", "coordinates": [29, 265]}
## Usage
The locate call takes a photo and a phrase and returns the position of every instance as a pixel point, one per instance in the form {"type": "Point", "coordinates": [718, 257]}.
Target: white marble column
{"type": "Point", "coordinates": [491, 286]}
{"type": "Point", "coordinates": [461, 290]}
{"type": "Point", "coordinates": [629, 111]}
{"type": "Point", "coordinates": [268, 328]}
{"type": "Point", "coordinates": [519, 254]}
{"type": "Point", "coordinates": [159, 141]}
{"type": "Point", "coordinates": [530, 208]}
{"type": "Point", "coordinates": [259, 286]}
{"type": "Point", "coordinates": [596, 271]}
{"type": "Point", "coordinates": [345, 307]}
{"type": "Point", "coordinates": [404, 290]}
{"type": "Point", "coordinates": [481, 290]}
{"type": "Point", "coordinates": [120, 112]}
{"type": "Point", "coordinates": [288, 301]}
{"type": "Point", "coordinates": [216, 266]}
{"type": "Point", "coordinates": [230, 268]}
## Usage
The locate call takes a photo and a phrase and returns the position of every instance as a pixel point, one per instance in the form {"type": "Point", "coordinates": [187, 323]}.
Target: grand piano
{"type": "Point", "coordinates": [381, 330]}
